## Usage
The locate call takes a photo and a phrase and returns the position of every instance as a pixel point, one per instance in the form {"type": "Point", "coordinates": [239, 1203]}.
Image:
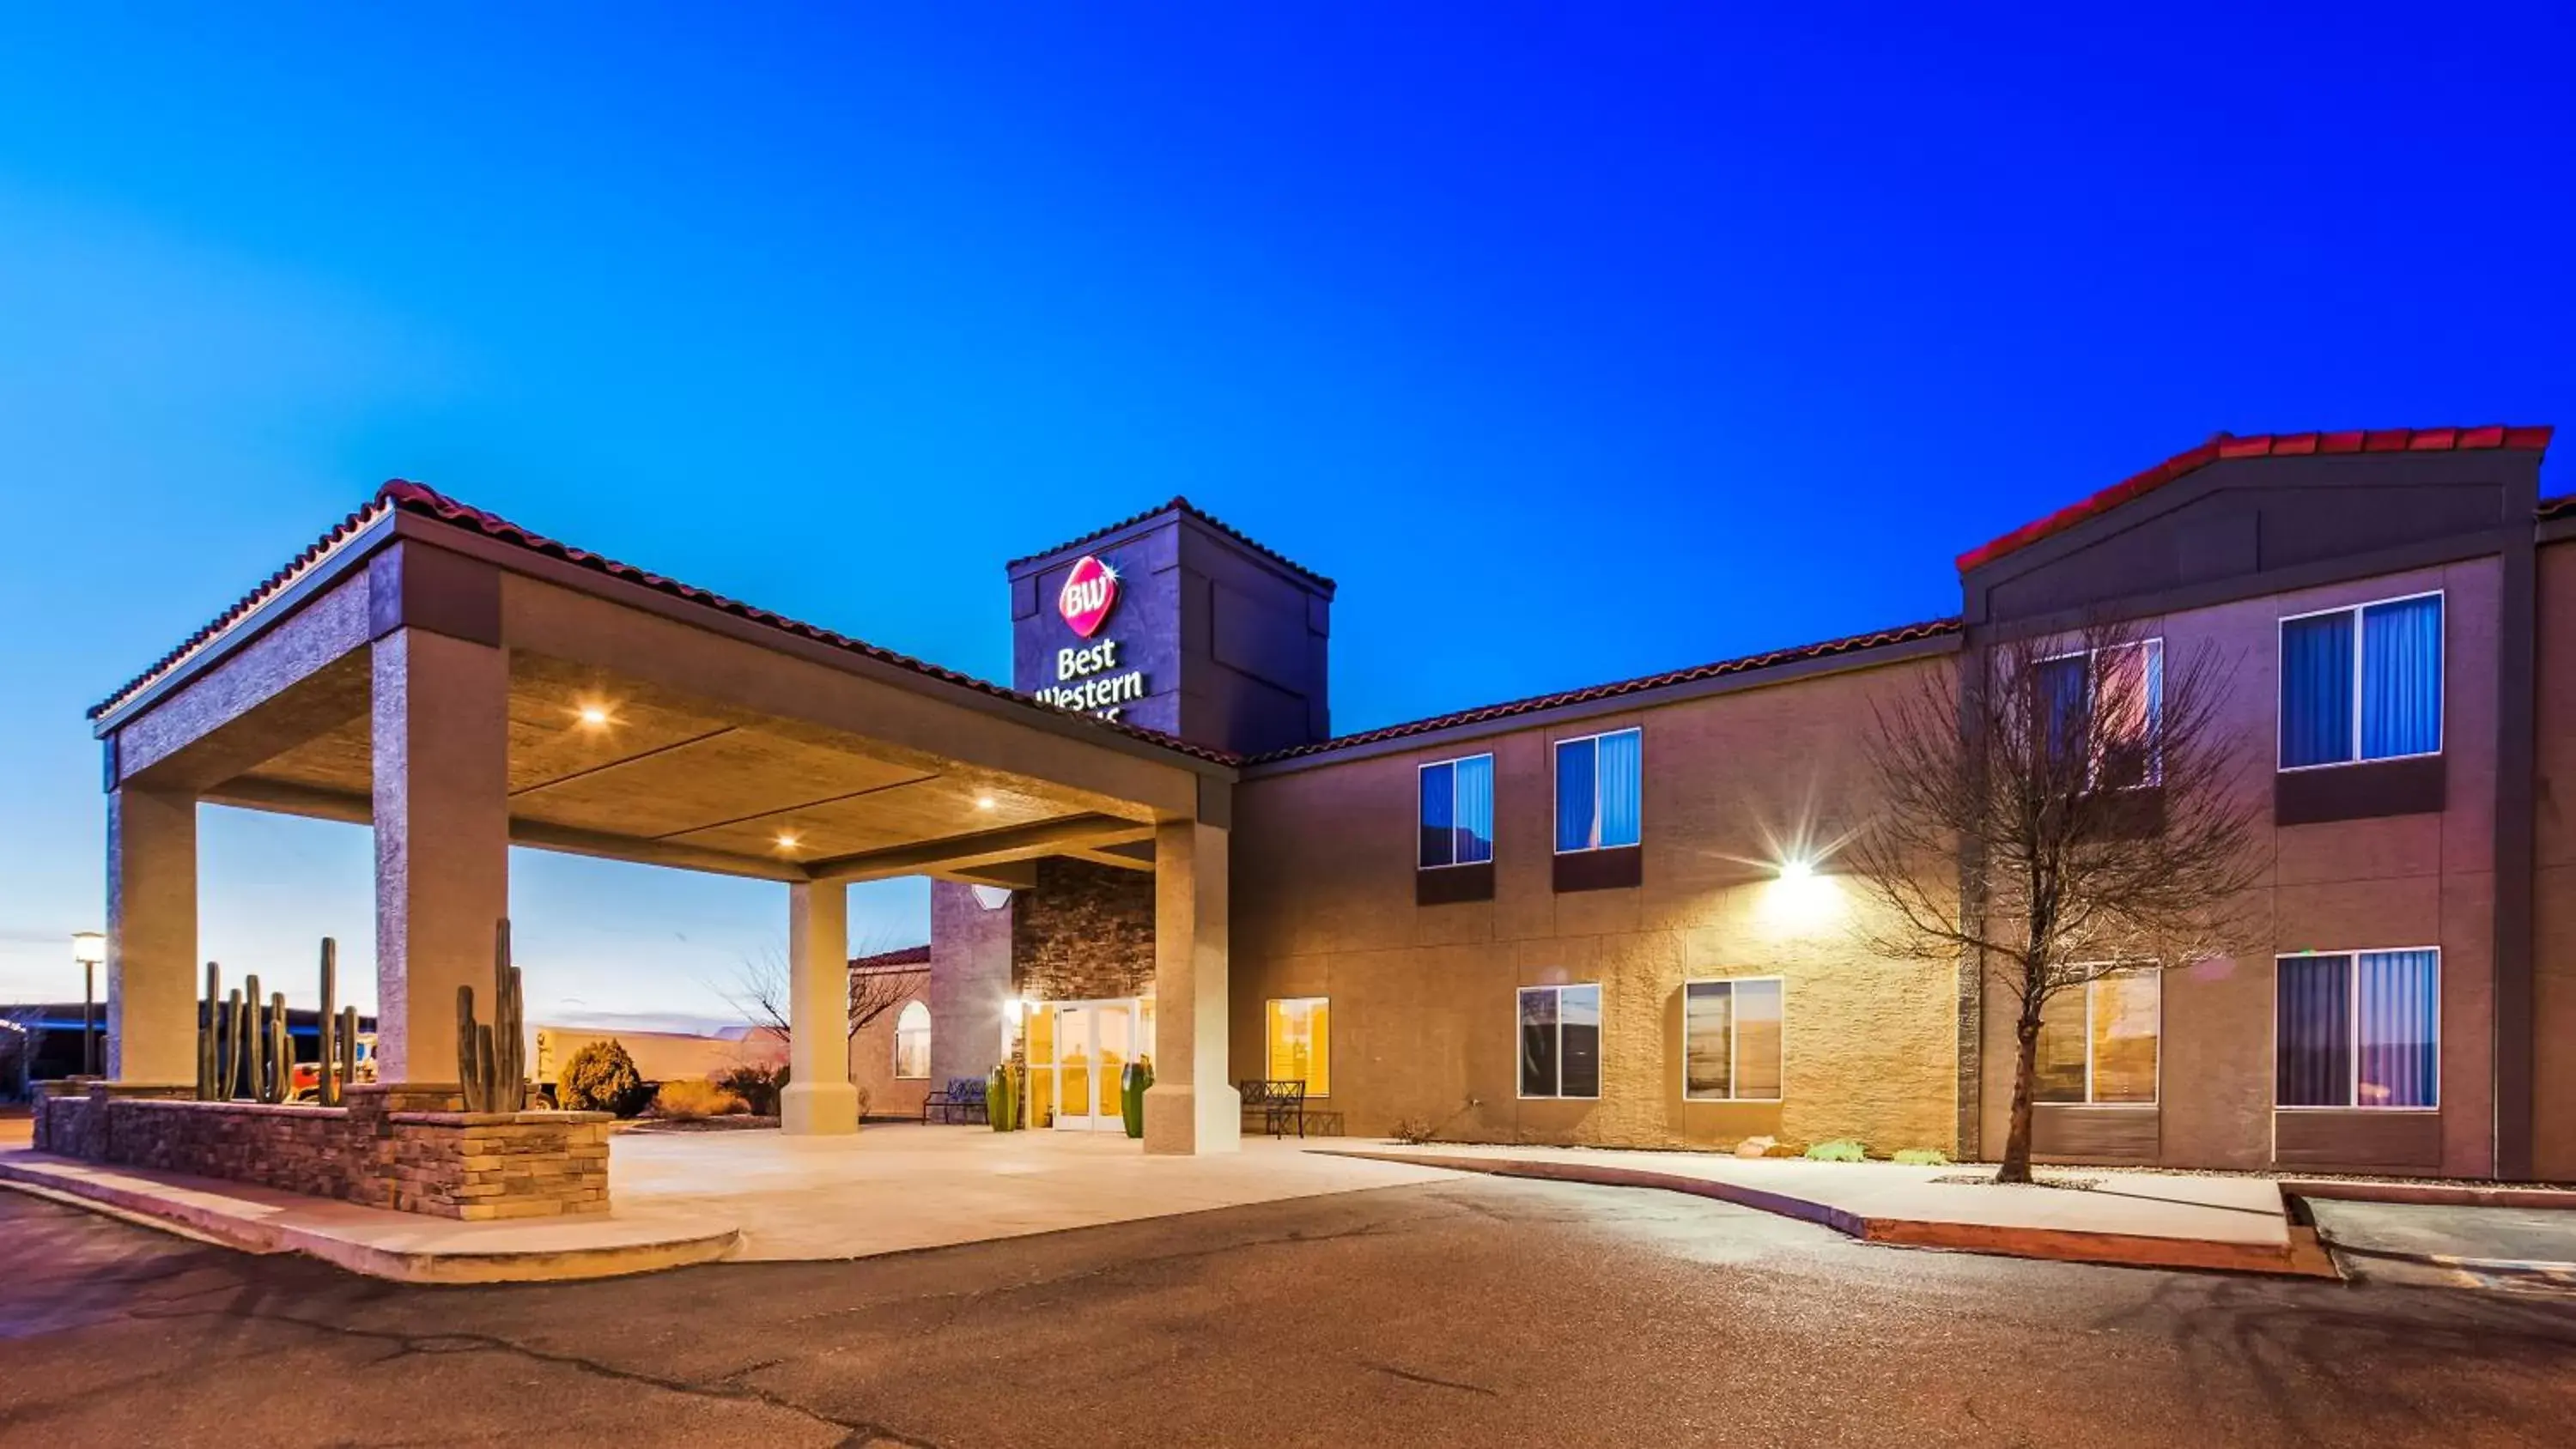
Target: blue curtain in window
{"type": "Point", "coordinates": [1574, 769]}
{"type": "Point", "coordinates": [1438, 814]}
{"type": "Point", "coordinates": [2316, 690]}
{"type": "Point", "coordinates": [1622, 783]}
{"type": "Point", "coordinates": [2312, 1014]}
{"type": "Point", "coordinates": [2399, 1058]}
{"type": "Point", "coordinates": [1475, 810]}
{"type": "Point", "coordinates": [2401, 678]}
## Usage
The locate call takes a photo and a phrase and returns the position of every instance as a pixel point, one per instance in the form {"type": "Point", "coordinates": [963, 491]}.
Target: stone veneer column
{"type": "Point", "coordinates": [1192, 1106]}
{"type": "Point", "coordinates": [819, 1099]}
{"type": "Point", "coordinates": [151, 936]}
{"type": "Point", "coordinates": [442, 816]}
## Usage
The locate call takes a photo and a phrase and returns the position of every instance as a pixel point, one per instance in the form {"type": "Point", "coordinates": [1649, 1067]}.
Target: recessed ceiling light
{"type": "Point", "coordinates": [983, 802]}
{"type": "Point", "coordinates": [787, 840]}
{"type": "Point", "coordinates": [594, 715]}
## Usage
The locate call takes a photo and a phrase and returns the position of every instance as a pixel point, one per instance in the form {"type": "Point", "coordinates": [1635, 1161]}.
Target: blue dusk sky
{"type": "Point", "coordinates": [1576, 342]}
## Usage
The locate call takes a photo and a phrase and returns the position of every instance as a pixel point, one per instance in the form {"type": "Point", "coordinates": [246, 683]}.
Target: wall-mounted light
{"type": "Point", "coordinates": [1794, 869]}
{"type": "Point", "coordinates": [1012, 1009]}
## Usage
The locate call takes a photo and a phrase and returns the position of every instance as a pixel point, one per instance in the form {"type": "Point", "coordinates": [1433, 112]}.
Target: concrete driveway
{"type": "Point", "coordinates": [897, 1187]}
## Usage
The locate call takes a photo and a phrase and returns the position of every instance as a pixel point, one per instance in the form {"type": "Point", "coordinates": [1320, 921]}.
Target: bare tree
{"type": "Point", "coordinates": [760, 988]}
{"type": "Point", "coordinates": [2067, 809]}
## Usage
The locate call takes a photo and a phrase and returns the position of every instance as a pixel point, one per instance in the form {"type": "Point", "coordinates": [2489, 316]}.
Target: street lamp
{"type": "Point", "coordinates": [89, 948]}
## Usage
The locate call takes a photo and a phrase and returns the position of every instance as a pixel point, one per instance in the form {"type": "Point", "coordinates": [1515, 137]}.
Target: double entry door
{"type": "Point", "coordinates": [1076, 1052]}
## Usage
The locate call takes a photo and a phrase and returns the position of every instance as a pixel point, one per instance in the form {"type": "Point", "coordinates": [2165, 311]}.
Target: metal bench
{"type": "Point", "coordinates": [962, 1100]}
{"type": "Point", "coordinates": [1278, 1102]}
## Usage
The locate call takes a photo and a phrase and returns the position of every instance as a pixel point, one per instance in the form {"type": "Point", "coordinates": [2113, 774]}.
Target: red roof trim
{"type": "Point", "coordinates": [1179, 505]}
{"type": "Point", "coordinates": [249, 603]}
{"type": "Point", "coordinates": [2267, 445]}
{"type": "Point", "coordinates": [1850, 644]}
{"type": "Point", "coordinates": [900, 958]}
{"type": "Point", "coordinates": [426, 502]}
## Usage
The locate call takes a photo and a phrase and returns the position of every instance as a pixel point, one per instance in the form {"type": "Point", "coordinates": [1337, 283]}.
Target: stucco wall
{"type": "Point", "coordinates": [1423, 997]}
{"type": "Point", "coordinates": [872, 1062]}
{"type": "Point", "coordinates": [2397, 881]}
{"type": "Point", "coordinates": [970, 978]}
{"type": "Point", "coordinates": [2554, 924]}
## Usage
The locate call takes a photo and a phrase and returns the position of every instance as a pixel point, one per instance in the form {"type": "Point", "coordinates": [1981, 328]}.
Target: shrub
{"type": "Point", "coordinates": [1841, 1149]}
{"type": "Point", "coordinates": [1923, 1157]}
{"type": "Point", "coordinates": [691, 1098]}
{"type": "Point", "coordinates": [1413, 1131]}
{"type": "Point", "coordinates": [757, 1084]}
{"type": "Point", "coordinates": [601, 1077]}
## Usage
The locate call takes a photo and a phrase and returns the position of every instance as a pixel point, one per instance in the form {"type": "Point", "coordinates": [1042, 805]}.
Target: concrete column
{"type": "Point", "coordinates": [819, 1099]}
{"type": "Point", "coordinates": [442, 816]}
{"type": "Point", "coordinates": [1192, 1106]}
{"type": "Point", "coordinates": [151, 936]}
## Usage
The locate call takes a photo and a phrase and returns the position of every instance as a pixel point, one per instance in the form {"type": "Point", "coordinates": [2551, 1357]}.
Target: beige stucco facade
{"type": "Point", "coordinates": [1423, 997]}
{"type": "Point", "coordinates": [2392, 882]}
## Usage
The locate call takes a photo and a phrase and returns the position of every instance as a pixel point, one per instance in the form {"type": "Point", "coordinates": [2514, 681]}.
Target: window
{"type": "Point", "coordinates": [912, 1040]}
{"type": "Point", "coordinates": [2362, 683]}
{"type": "Point", "coordinates": [2108, 703]}
{"type": "Point", "coordinates": [2359, 1029]}
{"type": "Point", "coordinates": [1458, 812]}
{"type": "Point", "coordinates": [2098, 1042]}
{"type": "Point", "coordinates": [1301, 1043]}
{"type": "Point", "coordinates": [1731, 1040]}
{"type": "Point", "coordinates": [1598, 782]}
{"type": "Point", "coordinates": [1561, 1041]}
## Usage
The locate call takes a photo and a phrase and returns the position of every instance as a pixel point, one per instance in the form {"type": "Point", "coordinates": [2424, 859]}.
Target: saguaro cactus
{"type": "Point", "coordinates": [281, 1053]}
{"type": "Point", "coordinates": [491, 1061]}
{"type": "Point", "coordinates": [235, 1045]}
{"type": "Point", "coordinates": [254, 1029]}
{"type": "Point", "coordinates": [210, 1030]}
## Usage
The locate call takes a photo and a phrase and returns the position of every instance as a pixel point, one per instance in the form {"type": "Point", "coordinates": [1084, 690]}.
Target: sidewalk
{"type": "Point", "coordinates": [2234, 1224]}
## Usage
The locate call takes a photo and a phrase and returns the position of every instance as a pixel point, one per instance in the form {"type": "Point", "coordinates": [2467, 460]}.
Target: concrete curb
{"type": "Point", "coordinates": [2299, 1257]}
{"type": "Point", "coordinates": [176, 1209]}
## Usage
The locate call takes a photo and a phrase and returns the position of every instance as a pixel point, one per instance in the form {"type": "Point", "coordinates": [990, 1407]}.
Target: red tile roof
{"type": "Point", "coordinates": [900, 958]}
{"type": "Point", "coordinates": [267, 589]}
{"type": "Point", "coordinates": [2267, 445]}
{"type": "Point", "coordinates": [1852, 644]}
{"type": "Point", "coordinates": [2558, 507]}
{"type": "Point", "coordinates": [1181, 505]}
{"type": "Point", "coordinates": [427, 502]}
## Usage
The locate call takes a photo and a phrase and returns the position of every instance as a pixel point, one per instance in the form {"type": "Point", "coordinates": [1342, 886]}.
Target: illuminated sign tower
{"type": "Point", "coordinates": [1176, 622]}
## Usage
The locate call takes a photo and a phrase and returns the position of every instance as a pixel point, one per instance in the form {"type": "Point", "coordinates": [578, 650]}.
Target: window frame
{"type": "Point", "coordinates": [1556, 788]}
{"type": "Point", "coordinates": [1734, 1034]}
{"type": "Point", "coordinates": [2092, 692]}
{"type": "Point", "coordinates": [1560, 1094]}
{"type": "Point", "coordinates": [2155, 1103]}
{"type": "Point", "coordinates": [2352, 1024]}
{"type": "Point", "coordinates": [928, 1025]}
{"type": "Point", "coordinates": [1427, 766]}
{"type": "Point", "coordinates": [2360, 687]}
{"type": "Point", "coordinates": [1269, 1042]}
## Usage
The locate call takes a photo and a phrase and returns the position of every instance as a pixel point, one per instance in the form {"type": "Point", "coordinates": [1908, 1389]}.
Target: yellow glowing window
{"type": "Point", "coordinates": [1301, 1047]}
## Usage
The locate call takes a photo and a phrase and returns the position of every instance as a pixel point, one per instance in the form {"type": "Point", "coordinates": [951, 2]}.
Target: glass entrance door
{"type": "Point", "coordinates": [1093, 1041]}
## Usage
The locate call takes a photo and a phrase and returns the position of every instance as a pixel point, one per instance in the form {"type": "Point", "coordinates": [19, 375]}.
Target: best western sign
{"type": "Point", "coordinates": [1084, 679]}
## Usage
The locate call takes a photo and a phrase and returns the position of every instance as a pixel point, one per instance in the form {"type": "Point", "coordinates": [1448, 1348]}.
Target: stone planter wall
{"type": "Point", "coordinates": [404, 1147]}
